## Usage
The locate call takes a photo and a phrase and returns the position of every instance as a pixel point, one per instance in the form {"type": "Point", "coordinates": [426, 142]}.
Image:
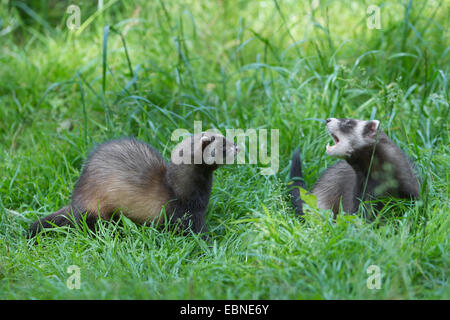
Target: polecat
{"type": "Point", "coordinates": [130, 177]}
{"type": "Point", "coordinates": [372, 167]}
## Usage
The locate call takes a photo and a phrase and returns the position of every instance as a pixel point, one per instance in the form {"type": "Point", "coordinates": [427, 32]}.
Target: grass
{"type": "Point", "coordinates": [146, 68]}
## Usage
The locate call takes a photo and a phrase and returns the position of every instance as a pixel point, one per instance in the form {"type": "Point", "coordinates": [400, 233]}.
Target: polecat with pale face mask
{"type": "Point", "coordinates": [130, 177]}
{"type": "Point", "coordinates": [372, 167]}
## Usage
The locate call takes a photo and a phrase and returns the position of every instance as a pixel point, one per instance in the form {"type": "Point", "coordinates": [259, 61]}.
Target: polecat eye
{"type": "Point", "coordinates": [347, 125]}
{"type": "Point", "coordinates": [213, 138]}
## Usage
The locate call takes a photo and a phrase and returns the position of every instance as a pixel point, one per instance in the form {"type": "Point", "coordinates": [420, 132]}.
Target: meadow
{"type": "Point", "coordinates": [146, 68]}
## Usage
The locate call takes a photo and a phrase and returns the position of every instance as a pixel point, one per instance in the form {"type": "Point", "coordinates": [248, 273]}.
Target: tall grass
{"type": "Point", "coordinates": [146, 68]}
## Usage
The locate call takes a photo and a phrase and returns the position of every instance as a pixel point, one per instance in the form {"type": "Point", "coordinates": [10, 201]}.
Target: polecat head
{"type": "Point", "coordinates": [350, 136]}
{"type": "Point", "coordinates": [206, 148]}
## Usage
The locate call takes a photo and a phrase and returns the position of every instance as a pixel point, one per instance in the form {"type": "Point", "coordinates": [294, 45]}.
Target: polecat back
{"type": "Point", "coordinates": [130, 177]}
{"type": "Point", "coordinates": [124, 174]}
{"type": "Point", "coordinates": [372, 167]}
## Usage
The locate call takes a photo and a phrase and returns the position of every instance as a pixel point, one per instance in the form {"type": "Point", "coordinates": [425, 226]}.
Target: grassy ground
{"type": "Point", "coordinates": [241, 64]}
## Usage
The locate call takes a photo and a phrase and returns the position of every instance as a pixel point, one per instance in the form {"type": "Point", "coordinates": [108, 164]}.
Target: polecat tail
{"type": "Point", "coordinates": [296, 176]}
{"type": "Point", "coordinates": [67, 215]}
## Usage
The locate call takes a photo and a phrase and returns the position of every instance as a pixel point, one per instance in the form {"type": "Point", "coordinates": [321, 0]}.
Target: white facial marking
{"type": "Point", "coordinates": [347, 141]}
{"type": "Point", "coordinates": [358, 135]}
{"type": "Point", "coordinates": [220, 151]}
{"type": "Point", "coordinates": [209, 148]}
{"type": "Point", "coordinates": [342, 146]}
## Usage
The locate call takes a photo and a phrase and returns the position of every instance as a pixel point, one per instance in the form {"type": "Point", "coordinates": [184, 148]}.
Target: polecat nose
{"type": "Point", "coordinates": [328, 120]}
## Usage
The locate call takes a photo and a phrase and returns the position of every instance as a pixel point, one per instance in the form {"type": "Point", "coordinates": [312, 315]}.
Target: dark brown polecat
{"type": "Point", "coordinates": [372, 167]}
{"type": "Point", "coordinates": [130, 177]}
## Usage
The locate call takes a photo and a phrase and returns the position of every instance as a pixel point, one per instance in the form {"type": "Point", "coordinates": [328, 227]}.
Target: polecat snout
{"type": "Point", "coordinates": [372, 167]}
{"type": "Point", "coordinates": [130, 177]}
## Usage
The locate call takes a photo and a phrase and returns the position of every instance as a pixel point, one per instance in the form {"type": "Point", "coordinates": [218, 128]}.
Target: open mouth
{"type": "Point", "coordinates": [335, 139]}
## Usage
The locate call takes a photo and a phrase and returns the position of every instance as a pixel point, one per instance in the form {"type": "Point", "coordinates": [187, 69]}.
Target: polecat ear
{"type": "Point", "coordinates": [372, 127]}
{"type": "Point", "coordinates": [205, 140]}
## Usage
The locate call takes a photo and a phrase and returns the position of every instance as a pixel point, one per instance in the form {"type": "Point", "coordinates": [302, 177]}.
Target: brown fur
{"type": "Point", "coordinates": [135, 187]}
{"type": "Point", "coordinates": [130, 177]}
